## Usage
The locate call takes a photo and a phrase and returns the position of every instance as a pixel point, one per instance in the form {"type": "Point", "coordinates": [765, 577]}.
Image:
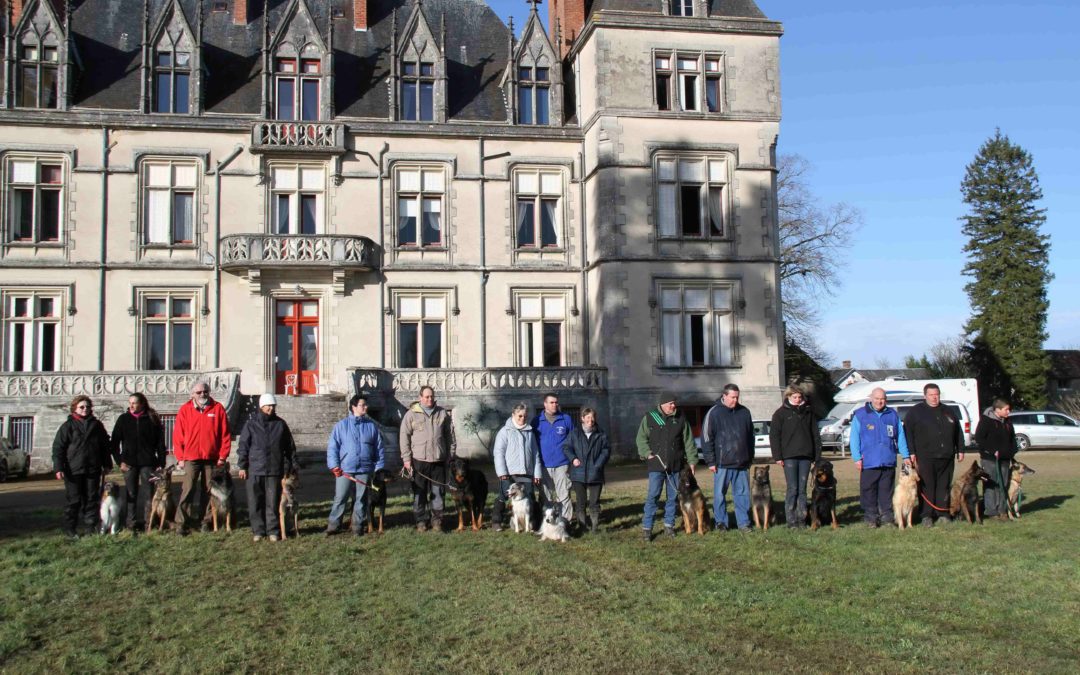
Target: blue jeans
{"type": "Point", "coordinates": [657, 480]}
{"type": "Point", "coordinates": [343, 489]}
{"type": "Point", "coordinates": [739, 480]}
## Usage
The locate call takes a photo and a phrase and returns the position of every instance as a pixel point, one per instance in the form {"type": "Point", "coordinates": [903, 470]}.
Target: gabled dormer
{"type": "Point", "coordinates": [534, 81]}
{"type": "Point", "coordinates": [418, 80]}
{"type": "Point", "coordinates": [38, 58]}
{"type": "Point", "coordinates": [172, 63]}
{"type": "Point", "coordinates": [298, 62]}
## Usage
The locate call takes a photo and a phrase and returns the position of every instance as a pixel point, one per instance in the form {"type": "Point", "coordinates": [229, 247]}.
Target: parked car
{"type": "Point", "coordinates": [13, 461]}
{"type": "Point", "coordinates": [837, 435]}
{"type": "Point", "coordinates": [762, 446]}
{"type": "Point", "coordinates": [1045, 429]}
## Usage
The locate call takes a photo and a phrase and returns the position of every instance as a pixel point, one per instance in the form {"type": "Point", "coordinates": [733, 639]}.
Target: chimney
{"type": "Point", "coordinates": [846, 364]}
{"type": "Point", "coordinates": [240, 12]}
{"type": "Point", "coordinates": [16, 11]}
{"type": "Point", "coordinates": [360, 17]}
{"type": "Point", "coordinates": [569, 16]}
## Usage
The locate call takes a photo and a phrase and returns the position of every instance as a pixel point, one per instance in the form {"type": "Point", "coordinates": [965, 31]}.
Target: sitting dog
{"type": "Point", "coordinates": [554, 526]}
{"type": "Point", "coordinates": [288, 507]}
{"type": "Point", "coordinates": [470, 489]}
{"type": "Point", "coordinates": [965, 493]}
{"type": "Point", "coordinates": [1016, 476]}
{"type": "Point", "coordinates": [521, 514]}
{"type": "Point", "coordinates": [905, 496]}
{"type": "Point", "coordinates": [222, 503]}
{"type": "Point", "coordinates": [692, 503]}
{"type": "Point", "coordinates": [376, 498]}
{"type": "Point", "coordinates": [761, 497]}
{"type": "Point", "coordinates": [824, 496]}
{"type": "Point", "coordinates": [161, 504]}
{"type": "Point", "coordinates": [110, 508]}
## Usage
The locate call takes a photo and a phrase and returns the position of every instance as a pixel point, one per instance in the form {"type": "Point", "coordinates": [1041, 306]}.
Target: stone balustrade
{"type": "Point", "coordinates": [270, 135]}
{"type": "Point", "coordinates": [116, 383]}
{"type": "Point", "coordinates": [470, 380]}
{"type": "Point", "coordinates": [316, 250]}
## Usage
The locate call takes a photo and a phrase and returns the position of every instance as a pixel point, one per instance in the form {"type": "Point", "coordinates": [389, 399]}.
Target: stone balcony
{"type": "Point", "coordinates": [292, 137]}
{"type": "Point", "coordinates": [245, 251]}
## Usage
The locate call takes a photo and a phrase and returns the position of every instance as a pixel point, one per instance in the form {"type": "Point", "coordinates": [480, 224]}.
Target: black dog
{"type": "Point", "coordinates": [470, 489]}
{"type": "Point", "coordinates": [824, 496]}
{"type": "Point", "coordinates": [376, 498]}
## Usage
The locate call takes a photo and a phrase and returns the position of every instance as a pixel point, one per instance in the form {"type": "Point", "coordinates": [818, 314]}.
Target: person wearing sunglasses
{"type": "Point", "coordinates": [80, 457]}
{"type": "Point", "coordinates": [201, 441]}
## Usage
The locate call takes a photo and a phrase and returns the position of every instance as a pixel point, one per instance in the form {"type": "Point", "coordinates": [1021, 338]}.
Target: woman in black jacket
{"type": "Point", "coordinates": [138, 445]}
{"type": "Point", "coordinates": [795, 443]}
{"type": "Point", "coordinates": [588, 450]}
{"type": "Point", "coordinates": [265, 454]}
{"type": "Point", "coordinates": [80, 456]}
{"type": "Point", "coordinates": [996, 439]}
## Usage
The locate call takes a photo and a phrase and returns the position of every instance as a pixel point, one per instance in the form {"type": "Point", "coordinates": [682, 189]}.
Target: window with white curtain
{"type": "Point", "coordinates": [35, 190]}
{"type": "Point", "coordinates": [297, 196]}
{"type": "Point", "coordinates": [697, 323]}
{"type": "Point", "coordinates": [419, 192]}
{"type": "Point", "coordinates": [541, 328]}
{"type": "Point", "coordinates": [692, 197]}
{"type": "Point", "coordinates": [538, 195]}
{"type": "Point", "coordinates": [31, 331]}
{"type": "Point", "coordinates": [421, 329]}
{"type": "Point", "coordinates": [169, 189]}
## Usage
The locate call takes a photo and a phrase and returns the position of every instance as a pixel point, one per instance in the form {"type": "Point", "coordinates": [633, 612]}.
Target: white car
{"type": "Point", "coordinates": [1045, 429]}
{"type": "Point", "coordinates": [13, 461]}
{"type": "Point", "coordinates": [762, 445]}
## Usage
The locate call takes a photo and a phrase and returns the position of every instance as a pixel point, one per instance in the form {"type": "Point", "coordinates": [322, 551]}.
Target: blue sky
{"type": "Point", "coordinates": [890, 101]}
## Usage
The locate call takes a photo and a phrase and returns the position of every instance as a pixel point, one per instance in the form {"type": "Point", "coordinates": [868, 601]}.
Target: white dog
{"type": "Point", "coordinates": [522, 505]}
{"type": "Point", "coordinates": [110, 508]}
{"type": "Point", "coordinates": [554, 526]}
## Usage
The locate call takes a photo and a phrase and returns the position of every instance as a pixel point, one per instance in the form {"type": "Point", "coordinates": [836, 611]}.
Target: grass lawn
{"type": "Point", "coordinates": [1003, 597]}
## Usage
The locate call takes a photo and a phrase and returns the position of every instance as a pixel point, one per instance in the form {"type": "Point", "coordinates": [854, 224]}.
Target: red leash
{"type": "Point", "coordinates": [932, 504]}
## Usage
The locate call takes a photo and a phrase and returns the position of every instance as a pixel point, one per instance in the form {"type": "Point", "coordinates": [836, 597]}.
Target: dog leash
{"type": "Point", "coordinates": [932, 504]}
{"type": "Point", "coordinates": [420, 473]}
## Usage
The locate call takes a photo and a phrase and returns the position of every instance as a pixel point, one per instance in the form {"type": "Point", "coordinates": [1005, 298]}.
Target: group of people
{"type": "Point", "coordinates": [550, 451]}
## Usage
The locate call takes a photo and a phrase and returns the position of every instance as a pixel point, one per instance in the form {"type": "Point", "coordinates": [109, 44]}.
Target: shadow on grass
{"type": "Point", "coordinates": [1043, 503]}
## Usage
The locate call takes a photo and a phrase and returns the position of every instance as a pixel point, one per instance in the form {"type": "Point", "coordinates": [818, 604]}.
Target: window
{"type": "Point", "coordinates": [169, 190]}
{"type": "Point", "coordinates": [663, 82]}
{"type": "Point", "coordinates": [689, 82]}
{"type": "Point", "coordinates": [533, 95]}
{"type": "Point", "coordinates": [31, 331]}
{"type": "Point", "coordinates": [417, 91]}
{"type": "Point", "coordinates": [35, 199]}
{"type": "Point", "coordinates": [697, 324]}
{"type": "Point", "coordinates": [420, 206]}
{"type": "Point", "coordinates": [168, 331]}
{"type": "Point", "coordinates": [421, 330]}
{"type": "Point", "coordinates": [537, 219]}
{"type": "Point", "coordinates": [172, 80]}
{"type": "Point", "coordinates": [541, 321]}
{"type": "Point", "coordinates": [297, 94]}
{"type": "Point", "coordinates": [691, 197]}
{"type": "Point", "coordinates": [682, 7]}
{"type": "Point", "coordinates": [37, 73]}
{"type": "Point", "coordinates": [713, 85]}
{"type": "Point", "coordinates": [297, 199]}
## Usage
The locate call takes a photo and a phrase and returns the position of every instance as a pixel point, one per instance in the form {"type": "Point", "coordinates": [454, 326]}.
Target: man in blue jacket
{"type": "Point", "coordinates": [552, 428]}
{"type": "Point", "coordinates": [876, 436]}
{"type": "Point", "coordinates": [727, 444]}
{"type": "Point", "coordinates": [354, 452]}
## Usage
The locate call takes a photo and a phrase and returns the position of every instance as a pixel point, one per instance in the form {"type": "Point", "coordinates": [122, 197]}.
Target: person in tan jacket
{"type": "Point", "coordinates": [427, 443]}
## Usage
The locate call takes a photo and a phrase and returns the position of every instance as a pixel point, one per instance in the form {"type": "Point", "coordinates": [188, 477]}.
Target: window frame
{"type": "Point", "coordinates": [38, 186]}
{"type": "Point", "coordinates": [33, 331]}
{"type": "Point", "coordinates": [708, 74]}
{"type": "Point", "coordinates": [422, 319]}
{"type": "Point", "coordinates": [173, 189]}
{"type": "Point", "coordinates": [709, 207]}
{"type": "Point", "coordinates": [170, 71]}
{"type": "Point", "coordinates": [537, 198]}
{"type": "Point", "coordinates": [299, 75]}
{"type": "Point", "coordinates": [170, 321]}
{"type": "Point", "coordinates": [528, 358]}
{"type": "Point", "coordinates": [532, 83]}
{"type": "Point", "coordinates": [296, 198]}
{"type": "Point", "coordinates": [714, 319]}
{"type": "Point", "coordinates": [418, 78]}
{"type": "Point", "coordinates": [679, 7]}
{"type": "Point", "coordinates": [29, 40]}
{"type": "Point", "coordinates": [419, 197]}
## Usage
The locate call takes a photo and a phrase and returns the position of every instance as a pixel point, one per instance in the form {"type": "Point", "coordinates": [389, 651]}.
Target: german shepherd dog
{"type": "Point", "coordinates": [161, 504]}
{"type": "Point", "coordinates": [965, 493]}
{"type": "Point", "coordinates": [376, 498]}
{"type": "Point", "coordinates": [823, 507]}
{"type": "Point", "coordinates": [288, 507]}
{"type": "Point", "coordinates": [470, 489]}
{"type": "Point", "coordinates": [110, 508]}
{"type": "Point", "coordinates": [761, 497]}
{"type": "Point", "coordinates": [1016, 476]}
{"type": "Point", "coordinates": [692, 503]}
{"type": "Point", "coordinates": [222, 503]}
{"type": "Point", "coordinates": [905, 496]}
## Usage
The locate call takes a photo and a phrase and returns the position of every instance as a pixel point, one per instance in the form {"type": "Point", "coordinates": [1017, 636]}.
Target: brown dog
{"type": "Point", "coordinates": [692, 503]}
{"type": "Point", "coordinates": [1016, 476]}
{"type": "Point", "coordinates": [905, 496]}
{"type": "Point", "coordinates": [222, 503]}
{"type": "Point", "coordinates": [288, 507]}
{"type": "Point", "coordinates": [965, 493]}
{"type": "Point", "coordinates": [161, 504]}
{"type": "Point", "coordinates": [761, 497]}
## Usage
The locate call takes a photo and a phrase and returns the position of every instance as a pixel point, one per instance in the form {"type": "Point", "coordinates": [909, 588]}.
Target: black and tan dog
{"type": "Point", "coordinates": [222, 501]}
{"type": "Point", "coordinates": [376, 498]}
{"type": "Point", "coordinates": [470, 489]}
{"type": "Point", "coordinates": [823, 507]}
{"type": "Point", "coordinates": [692, 503]}
{"type": "Point", "coordinates": [288, 506]}
{"type": "Point", "coordinates": [161, 504]}
{"type": "Point", "coordinates": [761, 497]}
{"type": "Point", "coordinates": [965, 493]}
{"type": "Point", "coordinates": [1017, 471]}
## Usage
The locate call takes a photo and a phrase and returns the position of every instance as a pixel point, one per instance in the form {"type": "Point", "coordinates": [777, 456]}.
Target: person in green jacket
{"type": "Point", "coordinates": [666, 443]}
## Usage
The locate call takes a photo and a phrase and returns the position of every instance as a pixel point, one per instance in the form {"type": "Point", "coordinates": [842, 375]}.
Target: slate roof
{"type": "Point", "coordinates": [838, 375]}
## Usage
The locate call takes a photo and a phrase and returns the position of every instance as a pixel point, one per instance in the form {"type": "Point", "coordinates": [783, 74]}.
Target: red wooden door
{"type": "Point", "coordinates": [296, 346]}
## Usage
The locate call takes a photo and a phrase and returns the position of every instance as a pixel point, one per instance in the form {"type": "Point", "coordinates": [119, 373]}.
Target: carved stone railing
{"type": "Point", "coordinates": [272, 250]}
{"type": "Point", "coordinates": [324, 137]}
{"type": "Point", "coordinates": [223, 383]}
{"type": "Point", "coordinates": [468, 380]}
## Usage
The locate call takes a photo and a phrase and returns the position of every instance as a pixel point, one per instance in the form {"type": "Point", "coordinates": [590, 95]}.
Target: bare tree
{"type": "Point", "coordinates": [947, 359]}
{"type": "Point", "coordinates": [814, 239]}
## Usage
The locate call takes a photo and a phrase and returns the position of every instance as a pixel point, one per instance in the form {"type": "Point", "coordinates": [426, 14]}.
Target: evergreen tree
{"type": "Point", "coordinates": [1008, 261]}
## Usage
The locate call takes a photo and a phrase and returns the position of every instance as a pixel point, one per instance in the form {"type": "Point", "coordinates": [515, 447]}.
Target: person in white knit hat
{"type": "Point", "coordinates": [266, 452]}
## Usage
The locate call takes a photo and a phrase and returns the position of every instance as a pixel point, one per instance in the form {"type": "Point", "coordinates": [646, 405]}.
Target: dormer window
{"type": "Point", "coordinates": [38, 75]}
{"type": "Point", "coordinates": [533, 95]}
{"type": "Point", "coordinates": [682, 7]}
{"type": "Point", "coordinates": [297, 90]}
{"type": "Point", "coordinates": [172, 82]}
{"type": "Point", "coordinates": [417, 91]}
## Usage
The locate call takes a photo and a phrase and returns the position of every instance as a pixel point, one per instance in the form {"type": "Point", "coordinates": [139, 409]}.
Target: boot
{"type": "Point", "coordinates": [497, 516]}
{"type": "Point", "coordinates": [594, 520]}
{"type": "Point", "coordinates": [436, 521]}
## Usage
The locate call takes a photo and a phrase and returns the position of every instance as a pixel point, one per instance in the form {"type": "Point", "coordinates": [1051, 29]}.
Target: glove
{"type": "Point", "coordinates": [338, 473]}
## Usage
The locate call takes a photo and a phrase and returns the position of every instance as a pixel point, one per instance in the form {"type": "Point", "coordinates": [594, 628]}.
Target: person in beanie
{"type": "Point", "coordinates": [517, 460]}
{"type": "Point", "coordinates": [727, 443]}
{"type": "Point", "coordinates": [876, 436]}
{"type": "Point", "coordinates": [587, 449]}
{"type": "Point", "coordinates": [354, 452]}
{"type": "Point", "coordinates": [996, 439]}
{"type": "Point", "coordinates": [666, 443]}
{"type": "Point", "coordinates": [936, 439]}
{"type": "Point", "coordinates": [265, 454]}
{"type": "Point", "coordinates": [795, 443]}
{"type": "Point", "coordinates": [80, 454]}
{"type": "Point", "coordinates": [427, 443]}
{"type": "Point", "coordinates": [138, 445]}
{"type": "Point", "coordinates": [552, 428]}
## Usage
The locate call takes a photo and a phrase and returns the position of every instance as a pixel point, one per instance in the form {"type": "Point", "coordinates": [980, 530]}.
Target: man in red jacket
{"type": "Point", "coordinates": [201, 441]}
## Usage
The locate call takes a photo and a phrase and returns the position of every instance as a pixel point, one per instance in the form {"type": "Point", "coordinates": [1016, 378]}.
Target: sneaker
{"type": "Point", "coordinates": [330, 531]}
{"type": "Point", "coordinates": [927, 522]}
{"type": "Point", "coordinates": [646, 535]}
{"type": "Point", "coordinates": [669, 532]}
{"type": "Point", "coordinates": [358, 533]}
{"type": "Point", "coordinates": [746, 530]}
{"type": "Point", "coordinates": [436, 524]}
{"type": "Point", "coordinates": [872, 524]}
{"type": "Point", "coordinates": [421, 526]}
{"type": "Point", "coordinates": [205, 527]}
{"type": "Point", "coordinates": [274, 537]}
{"type": "Point", "coordinates": [257, 537]}
{"type": "Point", "coordinates": [183, 531]}
{"type": "Point", "coordinates": [497, 527]}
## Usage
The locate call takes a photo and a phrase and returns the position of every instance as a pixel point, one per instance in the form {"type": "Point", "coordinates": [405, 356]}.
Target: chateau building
{"type": "Point", "coordinates": [327, 196]}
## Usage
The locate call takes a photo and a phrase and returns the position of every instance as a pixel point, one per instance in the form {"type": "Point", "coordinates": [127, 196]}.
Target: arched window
{"type": "Point", "coordinates": [171, 74]}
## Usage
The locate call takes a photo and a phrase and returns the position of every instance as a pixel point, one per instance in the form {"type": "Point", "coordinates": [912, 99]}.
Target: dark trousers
{"type": "Point", "coordinates": [875, 493]}
{"type": "Point", "coordinates": [196, 482]}
{"type": "Point", "coordinates": [499, 507]}
{"type": "Point", "coordinates": [428, 489]}
{"type": "Point", "coordinates": [936, 475]}
{"type": "Point", "coordinates": [81, 491]}
{"type": "Point", "coordinates": [796, 471]}
{"type": "Point", "coordinates": [264, 500]}
{"type": "Point", "coordinates": [591, 493]}
{"type": "Point", "coordinates": [138, 488]}
{"type": "Point", "coordinates": [995, 490]}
